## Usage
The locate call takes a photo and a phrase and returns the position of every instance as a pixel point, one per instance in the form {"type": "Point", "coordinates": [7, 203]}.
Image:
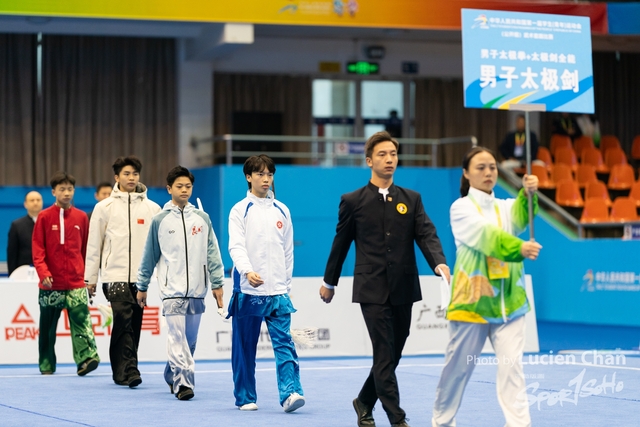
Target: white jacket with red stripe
{"type": "Point", "coordinates": [261, 240]}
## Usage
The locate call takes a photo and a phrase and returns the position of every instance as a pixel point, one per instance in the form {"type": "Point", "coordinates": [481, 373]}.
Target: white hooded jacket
{"type": "Point", "coordinates": [117, 232]}
{"type": "Point", "coordinates": [184, 248]}
{"type": "Point", "coordinates": [261, 240]}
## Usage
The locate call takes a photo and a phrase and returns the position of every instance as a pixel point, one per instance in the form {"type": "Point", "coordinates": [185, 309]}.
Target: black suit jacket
{"type": "Point", "coordinates": [384, 233]}
{"type": "Point", "coordinates": [508, 147]}
{"type": "Point", "coordinates": [19, 243]}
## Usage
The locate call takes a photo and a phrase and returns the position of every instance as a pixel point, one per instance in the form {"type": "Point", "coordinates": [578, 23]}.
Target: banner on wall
{"type": "Point", "coordinates": [340, 328]}
{"type": "Point", "coordinates": [514, 58]}
{"type": "Point", "coordinates": [345, 13]}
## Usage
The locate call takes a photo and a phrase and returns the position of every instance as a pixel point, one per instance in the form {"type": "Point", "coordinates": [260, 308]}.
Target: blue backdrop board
{"type": "Point", "coordinates": [527, 58]}
{"type": "Point", "coordinates": [12, 205]}
{"type": "Point", "coordinates": [313, 195]}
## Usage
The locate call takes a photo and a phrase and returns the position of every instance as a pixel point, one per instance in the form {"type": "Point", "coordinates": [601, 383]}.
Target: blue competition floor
{"type": "Point", "coordinates": [575, 394]}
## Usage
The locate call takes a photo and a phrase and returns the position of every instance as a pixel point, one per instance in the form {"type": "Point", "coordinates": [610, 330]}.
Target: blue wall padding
{"type": "Point", "coordinates": [623, 18]}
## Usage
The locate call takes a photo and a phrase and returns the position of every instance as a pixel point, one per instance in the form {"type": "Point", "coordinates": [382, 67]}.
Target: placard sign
{"type": "Point", "coordinates": [527, 58]}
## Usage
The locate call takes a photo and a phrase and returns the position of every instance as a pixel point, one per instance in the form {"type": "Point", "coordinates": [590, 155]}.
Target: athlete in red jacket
{"type": "Point", "coordinates": [59, 245]}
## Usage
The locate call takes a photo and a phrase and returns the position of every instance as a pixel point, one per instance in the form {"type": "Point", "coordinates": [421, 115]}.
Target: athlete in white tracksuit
{"type": "Point", "coordinates": [261, 247]}
{"type": "Point", "coordinates": [183, 247]}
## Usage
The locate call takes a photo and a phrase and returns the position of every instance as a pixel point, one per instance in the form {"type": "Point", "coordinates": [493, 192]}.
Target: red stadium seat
{"type": "Point", "coordinates": [608, 141]}
{"type": "Point", "coordinates": [558, 141]}
{"type": "Point", "coordinates": [561, 171]}
{"type": "Point", "coordinates": [615, 156]}
{"type": "Point", "coordinates": [566, 156]}
{"type": "Point", "coordinates": [544, 155]}
{"type": "Point", "coordinates": [568, 194]}
{"type": "Point", "coordinates": [544, 182]}
{"type": "Point", "coordinates": [621, 177]}
{"type": "Point", "coordinates": [595, 211]}
{"type": "Point", "coordinates": [624, 210]}
{"type": "Point", "coordinates": [635, 148]}
{"type": "Point", "coordinates": [593, 157]}
{"type": "Point", "coordinates": [635, 193]}
{"type": "Point", "coordinates": [584, 174]}
{"type": "Point", "coordinates": [581, 143]}
{"type": "Point", "coordinates": [597, 189]}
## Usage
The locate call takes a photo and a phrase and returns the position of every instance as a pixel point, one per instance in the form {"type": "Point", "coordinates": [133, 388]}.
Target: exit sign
{"type": "Point", "coordinates": [363, 67]}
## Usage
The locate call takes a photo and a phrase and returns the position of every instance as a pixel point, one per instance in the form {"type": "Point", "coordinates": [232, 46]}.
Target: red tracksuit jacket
{"type": "Point", "coordinates": [57, 254]}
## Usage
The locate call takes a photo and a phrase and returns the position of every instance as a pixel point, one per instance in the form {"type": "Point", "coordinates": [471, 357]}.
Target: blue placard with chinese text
{"type": "Point", "coordinates": [527, 58]}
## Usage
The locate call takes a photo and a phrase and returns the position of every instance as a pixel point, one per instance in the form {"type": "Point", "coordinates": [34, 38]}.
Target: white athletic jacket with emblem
{"type": "Point", "coordinates": [183, 246]}
{"type": "Point", "coordinates": [117, 232]}
{"type": "Point", "coordinates": [261, 240]}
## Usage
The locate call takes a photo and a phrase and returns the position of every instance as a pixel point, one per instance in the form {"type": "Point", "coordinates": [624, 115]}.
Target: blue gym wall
{"type": "Point", "coordinates": [573, 280]}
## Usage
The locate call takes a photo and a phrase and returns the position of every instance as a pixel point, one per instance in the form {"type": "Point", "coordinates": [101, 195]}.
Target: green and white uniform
{"type": "Point", "coordinates": [488, 300]}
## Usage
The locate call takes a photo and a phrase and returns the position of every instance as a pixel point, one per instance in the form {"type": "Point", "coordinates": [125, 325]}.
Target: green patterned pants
{"type": "Point", "coordinates": [82, 339]}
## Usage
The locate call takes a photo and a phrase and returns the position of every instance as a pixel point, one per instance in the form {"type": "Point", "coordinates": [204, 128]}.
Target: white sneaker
{"type": "Point", "coordinates": [293, 402]}
{"type": "Point", "coordinates": [248, 407]}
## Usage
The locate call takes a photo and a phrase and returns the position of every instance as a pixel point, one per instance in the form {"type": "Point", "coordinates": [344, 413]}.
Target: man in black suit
{"type": "Point", "coordinates": [513, 147]}
{"type": "Point", "coordinates": [19, 242]}
{"type": "Point", "coordinates": [384, 220]}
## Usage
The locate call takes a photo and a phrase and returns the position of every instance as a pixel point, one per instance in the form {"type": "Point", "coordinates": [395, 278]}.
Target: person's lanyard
{"type": "Point", "coordinates": [520, 139]}
{"type": "Point", "coordinates": [567, 125]}
{"type": "Point", "coordinates": [496, 268]}
{"type": "Point", "coordinates": [495, 205]}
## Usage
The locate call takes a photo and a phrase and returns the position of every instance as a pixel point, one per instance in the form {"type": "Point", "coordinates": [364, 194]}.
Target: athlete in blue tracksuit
{"type": "Point", "coordinates": [261, 247]}
{"type": "Point", "coordinates": [182, 245]}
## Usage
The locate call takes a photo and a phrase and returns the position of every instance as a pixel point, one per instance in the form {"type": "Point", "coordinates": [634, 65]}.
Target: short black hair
{"type": "Point", "coordinates": [121, 162]}
{"type": "Point", "coordinates": [102, 185]}
{"type": "Point", "coordinates": [257, 164]}
{"type": "Point", "coordinates": [376, 139]}
{"type": "Point", "coordinates": [62, 177]}
{"type": "Point", "coordinates": [177, 172]}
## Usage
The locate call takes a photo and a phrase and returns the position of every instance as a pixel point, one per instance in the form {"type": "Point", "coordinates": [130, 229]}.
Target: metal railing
{"type": "Point", "coordinates": [324, 150]}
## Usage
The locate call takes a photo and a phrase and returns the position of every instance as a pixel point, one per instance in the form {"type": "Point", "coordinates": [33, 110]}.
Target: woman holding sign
{"type": "Point", "coordinates": [488, 296]}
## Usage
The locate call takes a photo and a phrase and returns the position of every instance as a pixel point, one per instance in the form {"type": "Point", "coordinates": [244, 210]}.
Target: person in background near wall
{"type": "Point", "coordinates": [103, 190]}
{"type": "Point", "coordinates": [590, 126]}
{"type": "Point", "coordinates": [513, 148]}
{"type": "Point", "coordinates": [488, 297]}
{"type": "Point", "coordinates": [117, 233]}
{"type": "Point", "coordinates": [566, 125]}
{"type": "Point", "coordinates": [59, 248]}
{"type": "Point", "coordinates": [20, 232]}
{"type": "Point", "coordinates": [261, 247]}
{"type": "Point", "coordinates": [384, 220]}
{"type": "Point", "coordinates": [394, 124]}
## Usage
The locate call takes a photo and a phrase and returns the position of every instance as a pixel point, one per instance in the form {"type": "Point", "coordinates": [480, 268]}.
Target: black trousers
{"type": "Point", "coordinates": [388, 327]}
{"type": "Point", "coordinates": [125, 331]}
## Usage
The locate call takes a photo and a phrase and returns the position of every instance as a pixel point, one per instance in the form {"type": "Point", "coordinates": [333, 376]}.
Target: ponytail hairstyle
{"type": "Point", "coordinates": [257, 164]}
{"type": "Point", "coordinates": [464, 182]}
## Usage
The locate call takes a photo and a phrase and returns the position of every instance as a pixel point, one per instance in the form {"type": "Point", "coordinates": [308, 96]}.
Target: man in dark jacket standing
{"type": "Point", "coordinates": [384, 220]}
{"type": "Point", "coordinates": [19, 242]}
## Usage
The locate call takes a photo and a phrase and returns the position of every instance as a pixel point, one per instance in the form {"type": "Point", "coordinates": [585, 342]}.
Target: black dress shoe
{"type": "Point", "coordinates": [87, 366]}
{"type": "Point", "coordinates": [184, 393]}
{"type": "Point", "coordinates": [134, 382]}
{"type": "Point", "coordinates": [402, 423]}
{"type": "Point", "coordinates": [365, 418]}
